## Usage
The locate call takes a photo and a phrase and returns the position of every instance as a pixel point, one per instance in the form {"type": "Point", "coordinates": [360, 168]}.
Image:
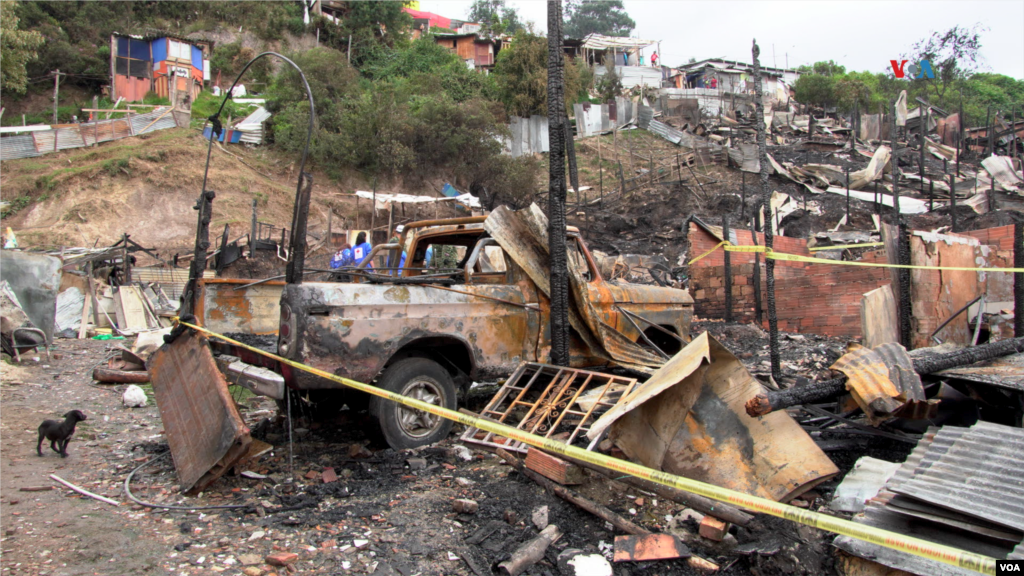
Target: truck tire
{"type": "Point", "coordinates": [419, 378]}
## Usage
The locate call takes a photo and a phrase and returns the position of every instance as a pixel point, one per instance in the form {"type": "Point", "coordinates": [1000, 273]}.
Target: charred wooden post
{"type": "Point", "coordinates": [252, 231]}
{"type": "Point", "coordinates": [766, 197]}
{"type": "Point", "coordinates": [992, 196]}
{"type": "Point", "coordinates": [923, 119]}
{"type": "Point", "coordinates": [960, 136]}
{"type": "Point", "coordinates": [728, 271]}
{"type": "Point", "coordinates": [297, 249]}
{"type": "Point", "coordinates": [743, 194]}
{"type": "Point", "coordinates": [204, 205]}
{"type": "Point", "coordinates": [556, 190]}
{"type": "Point", "coordinates": [570, 154]}
{"type": "Point", "coordinates": [757, 273]}
{"type": "Point", "coordinates": [952, 201]}
{"type": "Point", "coordinates": [1018, 277]}
{"type": "Point", "coordinates": [622, 180]}
{"type": "Point", "coordinates": [988, 127]}
{"type": "Point", "coordinates": [848, 221]}
{"type": "Point", "coordinates": [766, 403]}
{"type": "Point", "coordinates": [902, 246]}
{"type": "Point", "coordinates": [931, 196]}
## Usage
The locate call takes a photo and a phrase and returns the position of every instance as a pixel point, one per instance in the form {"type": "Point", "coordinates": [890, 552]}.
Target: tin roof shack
{"type": "Point", "coordinates": [733, 76]}
{"type": "Point", "coordinates": [627, 55]}
{"type": "Point", "coordinates": [475, 49]}
{"type": "Point", "coordinates": [171, 66]}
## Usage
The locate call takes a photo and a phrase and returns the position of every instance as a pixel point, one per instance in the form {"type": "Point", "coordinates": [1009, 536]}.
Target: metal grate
{"type": "Point", "coordinates": [542, 399]}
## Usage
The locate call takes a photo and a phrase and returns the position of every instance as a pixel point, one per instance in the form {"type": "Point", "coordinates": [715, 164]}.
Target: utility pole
{"type": "Point", "coordinates": [559, 272]}
{"type": "Point", "coordinates": [56, 91]}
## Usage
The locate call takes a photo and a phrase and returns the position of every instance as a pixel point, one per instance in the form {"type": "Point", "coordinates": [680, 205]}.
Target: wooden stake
{"type": "Point", "coordinates": [56, 91]}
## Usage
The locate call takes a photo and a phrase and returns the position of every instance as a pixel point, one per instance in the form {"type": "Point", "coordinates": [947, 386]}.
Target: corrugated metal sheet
{"type": "Point", "coordinates": [667, 132]}
{"type": "Point", "coordinates": [528, 135]}
{"type": "Point", "coordinates": [20, 146]}
{"type": "Point", "coordinates": [140, 122]}
{"type": "Point", "coordinates": [62, 138]}
{"type": "Point", "coordinates": [172, 281]}
{"type": "Point", "coordinates": [1006, 372]}
{"type": "Point", "coordinates": [66, 136]}
{"type": "Point", "coordinates": [644, 116]}
{"type": "Point", "coordinates": [982, 475]}
{"type": "Point", "coordinates": [882, 380]}
{"type": "Point", "coordinates": [975, 463]}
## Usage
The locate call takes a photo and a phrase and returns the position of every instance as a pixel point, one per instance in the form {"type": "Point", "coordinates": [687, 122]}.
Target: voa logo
{"type": "Point", "coordinates": [1009, 567]}
{"type": "Point", "coordinates": [923, 69]}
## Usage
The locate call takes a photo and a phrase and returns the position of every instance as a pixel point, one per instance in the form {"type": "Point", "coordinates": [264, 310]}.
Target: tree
{"type": "Point", "coordinates": [953, 54]}
{"type": "Point", "coordinates": [606, 17]}
{"type": "Point", "coordinates": [18, 48]}
{"type": "Point", "coordinates": [497, 18]}
{"type": "Point", "coordinates": [851, 93]}
{"type": "Point", "coordinates": [815, 89]}
{"type": "Point", "coordinates": [824, 68]}
{"type": "Point", "coordinates": [521, 75]}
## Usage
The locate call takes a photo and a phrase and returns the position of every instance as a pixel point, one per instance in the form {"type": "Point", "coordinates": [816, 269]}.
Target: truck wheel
{"type": "Point", "coordinates": [422, 379]}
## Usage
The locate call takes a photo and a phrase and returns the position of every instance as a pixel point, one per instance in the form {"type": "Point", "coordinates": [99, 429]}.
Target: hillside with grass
{"type": "Point", "coordinates": [392, 113]}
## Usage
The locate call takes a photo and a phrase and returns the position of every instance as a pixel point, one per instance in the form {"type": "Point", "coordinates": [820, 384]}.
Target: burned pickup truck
{"type": "Point", "coordinates": [463, 308]}
{"type": "Point", "coordinates": [470, 303]}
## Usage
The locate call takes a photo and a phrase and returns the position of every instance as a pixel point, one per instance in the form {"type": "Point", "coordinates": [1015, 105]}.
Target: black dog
{"type": "Point", "coordinates": [59, 432]}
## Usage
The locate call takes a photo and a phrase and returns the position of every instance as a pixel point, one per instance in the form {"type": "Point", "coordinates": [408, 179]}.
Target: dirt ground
{"type": "Point", "coordinates": [380, 516]}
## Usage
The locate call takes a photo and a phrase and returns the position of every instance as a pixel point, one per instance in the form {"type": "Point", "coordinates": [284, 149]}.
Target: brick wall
{"type": "Point", "coordinates": [1001, 237]}
{"type": "Point", "coordinates": [815, 298]}
{"type": "Point", "coordinates": [824, 299]}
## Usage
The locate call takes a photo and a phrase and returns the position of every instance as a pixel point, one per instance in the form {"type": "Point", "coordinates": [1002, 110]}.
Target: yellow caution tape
{"type": "Point", "coordinates": [845, 246]}
{"type": "Point", "coordinates": [769, 253]}
{"type": "Point", "coordinates": [708, 253]}
{"type": "Point", "coordinates": [909, 544]}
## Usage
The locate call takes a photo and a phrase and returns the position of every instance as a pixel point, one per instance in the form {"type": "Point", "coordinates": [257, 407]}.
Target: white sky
{"type": "Point", "coordinates": [861, 35]}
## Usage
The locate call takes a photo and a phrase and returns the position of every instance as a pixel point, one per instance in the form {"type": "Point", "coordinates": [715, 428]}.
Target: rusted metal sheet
{"type": "Point", "coordinates": [882, 380]}
{"type": "Point", "coordinates": [1005, 372]}
{"type": "Point", "coordinates": [225, 307]}
{"type": "Point", "coordinates": [542, 399]}
{"type": "Point", "coordinates": [523, 235]}
{"type": "Point", "coordinates": [690, 421]}
{"type": "Point", "coordinates": [203, 427]}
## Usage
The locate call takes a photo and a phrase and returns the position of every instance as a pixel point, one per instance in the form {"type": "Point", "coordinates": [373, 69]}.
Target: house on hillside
{"type": "Point", "coordinates": [627, 55]}
{"type": "Point", "coordinates": [171, 66]}
{"type": "Point", "coordinates": [424, 22]}
{"type": "Point", "coordinates": [730, 76]}
{"type": "Point", "coordinates": [475, 49]}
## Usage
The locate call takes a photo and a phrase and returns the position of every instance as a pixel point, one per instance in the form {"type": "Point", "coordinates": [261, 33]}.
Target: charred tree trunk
{"type": "Point", "coordinates": [556, 192]}
{"type": "Point", "coordinates": [766, 200]}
